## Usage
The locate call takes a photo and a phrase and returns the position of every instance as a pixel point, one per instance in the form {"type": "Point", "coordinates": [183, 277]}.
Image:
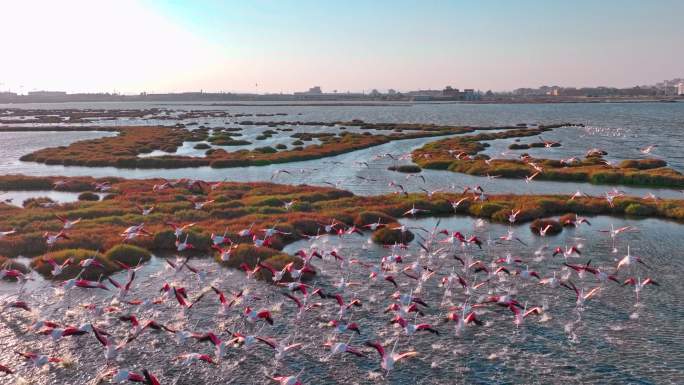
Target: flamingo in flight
{"type": "Point", "coordinates": [66, 223]}
{"type": "Point", "coordinates": [389, 359]}
{"type": "Point", "coordinates": [51, 239]}
{"type": "Point", "coordinates": [413, 211]}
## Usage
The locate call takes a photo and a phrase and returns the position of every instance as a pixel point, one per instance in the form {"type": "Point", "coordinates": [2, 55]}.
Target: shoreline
{"type": "Point", "coordinates": [370, 103]}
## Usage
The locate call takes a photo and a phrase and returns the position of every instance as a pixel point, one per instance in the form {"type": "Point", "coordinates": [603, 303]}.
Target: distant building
{"type": "Point", "coordinates": [312, 91]}
{"type": "Point", "coordinates": [470, 94]}
{"type": "Point", "coordinates": [450, 92]}
{"type": "Point", "coordinates": [680, 88]}
{"type": "Point", "coordinates": [46, 93]}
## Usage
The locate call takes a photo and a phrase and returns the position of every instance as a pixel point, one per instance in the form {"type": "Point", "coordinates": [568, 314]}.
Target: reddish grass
{"type": "Point", "coordinates": [238, 205]}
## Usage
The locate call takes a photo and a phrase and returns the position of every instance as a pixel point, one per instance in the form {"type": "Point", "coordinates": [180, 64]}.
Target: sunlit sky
{"type": "Point", "coordinates": [131, 46]}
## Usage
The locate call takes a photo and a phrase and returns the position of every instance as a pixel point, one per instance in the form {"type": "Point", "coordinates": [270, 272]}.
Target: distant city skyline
{"type": "Point", "coordinates": [288, 46]}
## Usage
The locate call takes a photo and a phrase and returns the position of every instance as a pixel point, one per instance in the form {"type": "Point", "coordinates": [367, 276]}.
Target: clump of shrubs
{"type": "Point", "coordinates": [406, 168]}
{"type": "Point", "coordinates": [130, 255]}
{"type": "Point", "coordinates": [388, 236]}
{"type": "Point", "coordinates": [44, 268]}
{"type": "Point", "coordinates": [643, 164]}
{"type": "Point", "coordinates": [88, 196]}
{"type": "Point", "coordinates": [540, 224]}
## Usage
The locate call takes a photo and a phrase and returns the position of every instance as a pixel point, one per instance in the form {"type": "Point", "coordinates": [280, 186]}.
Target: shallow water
{"type": "Point", "coordinates": [621, 129]}
{"type": "Point", "coordinates": [609, 340]}
{"type": "Point", "coordinates": [17, 198]}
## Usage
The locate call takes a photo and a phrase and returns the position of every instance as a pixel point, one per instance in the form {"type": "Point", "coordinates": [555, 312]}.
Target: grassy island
{"type": "Point", "coordinates": [461, 154]}
{"type": "Point", "coordinates": [124, 149]}
{"type": "Point", "coordinates": [255, 206]}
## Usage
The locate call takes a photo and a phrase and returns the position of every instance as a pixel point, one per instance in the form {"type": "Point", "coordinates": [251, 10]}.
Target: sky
{"type": "Point", "coordinates": [131, 46]}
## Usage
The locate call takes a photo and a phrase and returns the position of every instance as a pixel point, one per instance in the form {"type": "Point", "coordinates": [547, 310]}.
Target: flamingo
{"type": "Point", "coordinates": [341, 347]}
{"type": "Point", "coordinates": [639, 284]}
{"type": "Point", "coordinates": [66, 223]}
{"type": "Point", "coordinates": [193, 358]}
{"type": "Point", "coordinates": [578, 194]}
{"type": "Point", "coordinates": [111, 349]}
{"type": "Point", "coordinates": [134, 229]}
{"type": "Point", "coordinates": [553, 282]}
{"type": "Point", "coordinates": [278, 172]}
{"type": "Point", "coordinates": [253, 316]}
{"type": "Point", "coordinates": [102, 187]}
{"type": "Point", "coordinates": [520, 315]}
{"type": "Point", "coordinates": [281, 347]}
{"type": "Point", "coordinates": [528, 179]}
{"type": "Point", "coordinates": [513, 216]}
{"type": "Point", "coordinates": [527, 274]}
{"type": "Point", "coordinates": [344, 306]}
{"type": "Point", "coordinates": [572, 251]}
{"type": "Point", "coordinates": [51, 239]}
{"type": "Point", "coordinates": [145, 211]}
{"type": "Point", "coordinates": [341, 327]}
{"type": "Point", "coordinates": [647, 150]}
{"type": "Point", "coordinates": [629, 260]}
{"type": "Point", "coordinates": [411, 329]}
{"type": "Point", "coordinates": [178, 229]}
{"type": "Point", "coordinates": [4, 234]}
{"type": "Point", "coordinates": [246, 232]}
{"type": "Point", "coordinates": [218, 240]}
{"type": "Point", "coordinates": [388, 359]}
{"type": "Point", "coordinates": [289, 205]}
{"type": "Point", "coordinates": [224, 254]}
{"type": "Point", "coordinates": [413, 211]}
{"type": "Point", "coordinates": [276, 275]}
{"type": "Point", "coordinates": [581, 296]}
{"type": "Point", "coordinates": [510, 236]}
{"type": "Point", "coordinates": [13, 273]}
{"type": "Point", "coordinates": [23, 305]}
{"type": "Point", "coordinates": [39, 360]}
{"type": "Point", "coordinates": [123, 289]}
{"type": "Point", "coordinates": [123, 375]}
{"type": "Point", "coordinates": [199, 205]}
{"type": "Point", "coordinates": [455, 205]}
{"type": "Point", "coordinates": [544, 230]}
{"type": "Point", "coordinates": [288, 380]}
{"type": "Point", "coordinates": [374, 226]}
{"type": "Point", "coordinates": [56, 267]}
{"type": "Point", "coordinates": [430, 194]}
{"type": "Point", "coordinates": [85, 263]}
{"type": "Point", "coordinates": [182, 246]}
{"type": "Point", "coordinates": [269, 232]}
{"type": "Point", "coordinates": [462, 318]}
{"type": "Point", "coordinates": [86, 284]}
{"type": "Point", "coordinates": [297, 273]}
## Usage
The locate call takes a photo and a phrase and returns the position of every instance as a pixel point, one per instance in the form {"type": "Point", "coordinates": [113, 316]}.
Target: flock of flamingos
{"type": "Point", "coordinates": [473, 283]}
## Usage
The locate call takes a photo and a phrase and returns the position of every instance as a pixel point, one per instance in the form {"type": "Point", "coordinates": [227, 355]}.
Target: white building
{"type": "Point", "coordinates": [680, 88]}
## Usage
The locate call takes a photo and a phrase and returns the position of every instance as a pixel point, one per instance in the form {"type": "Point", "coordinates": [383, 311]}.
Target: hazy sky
{"type": "Point", "coordinates": [288, 45]}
